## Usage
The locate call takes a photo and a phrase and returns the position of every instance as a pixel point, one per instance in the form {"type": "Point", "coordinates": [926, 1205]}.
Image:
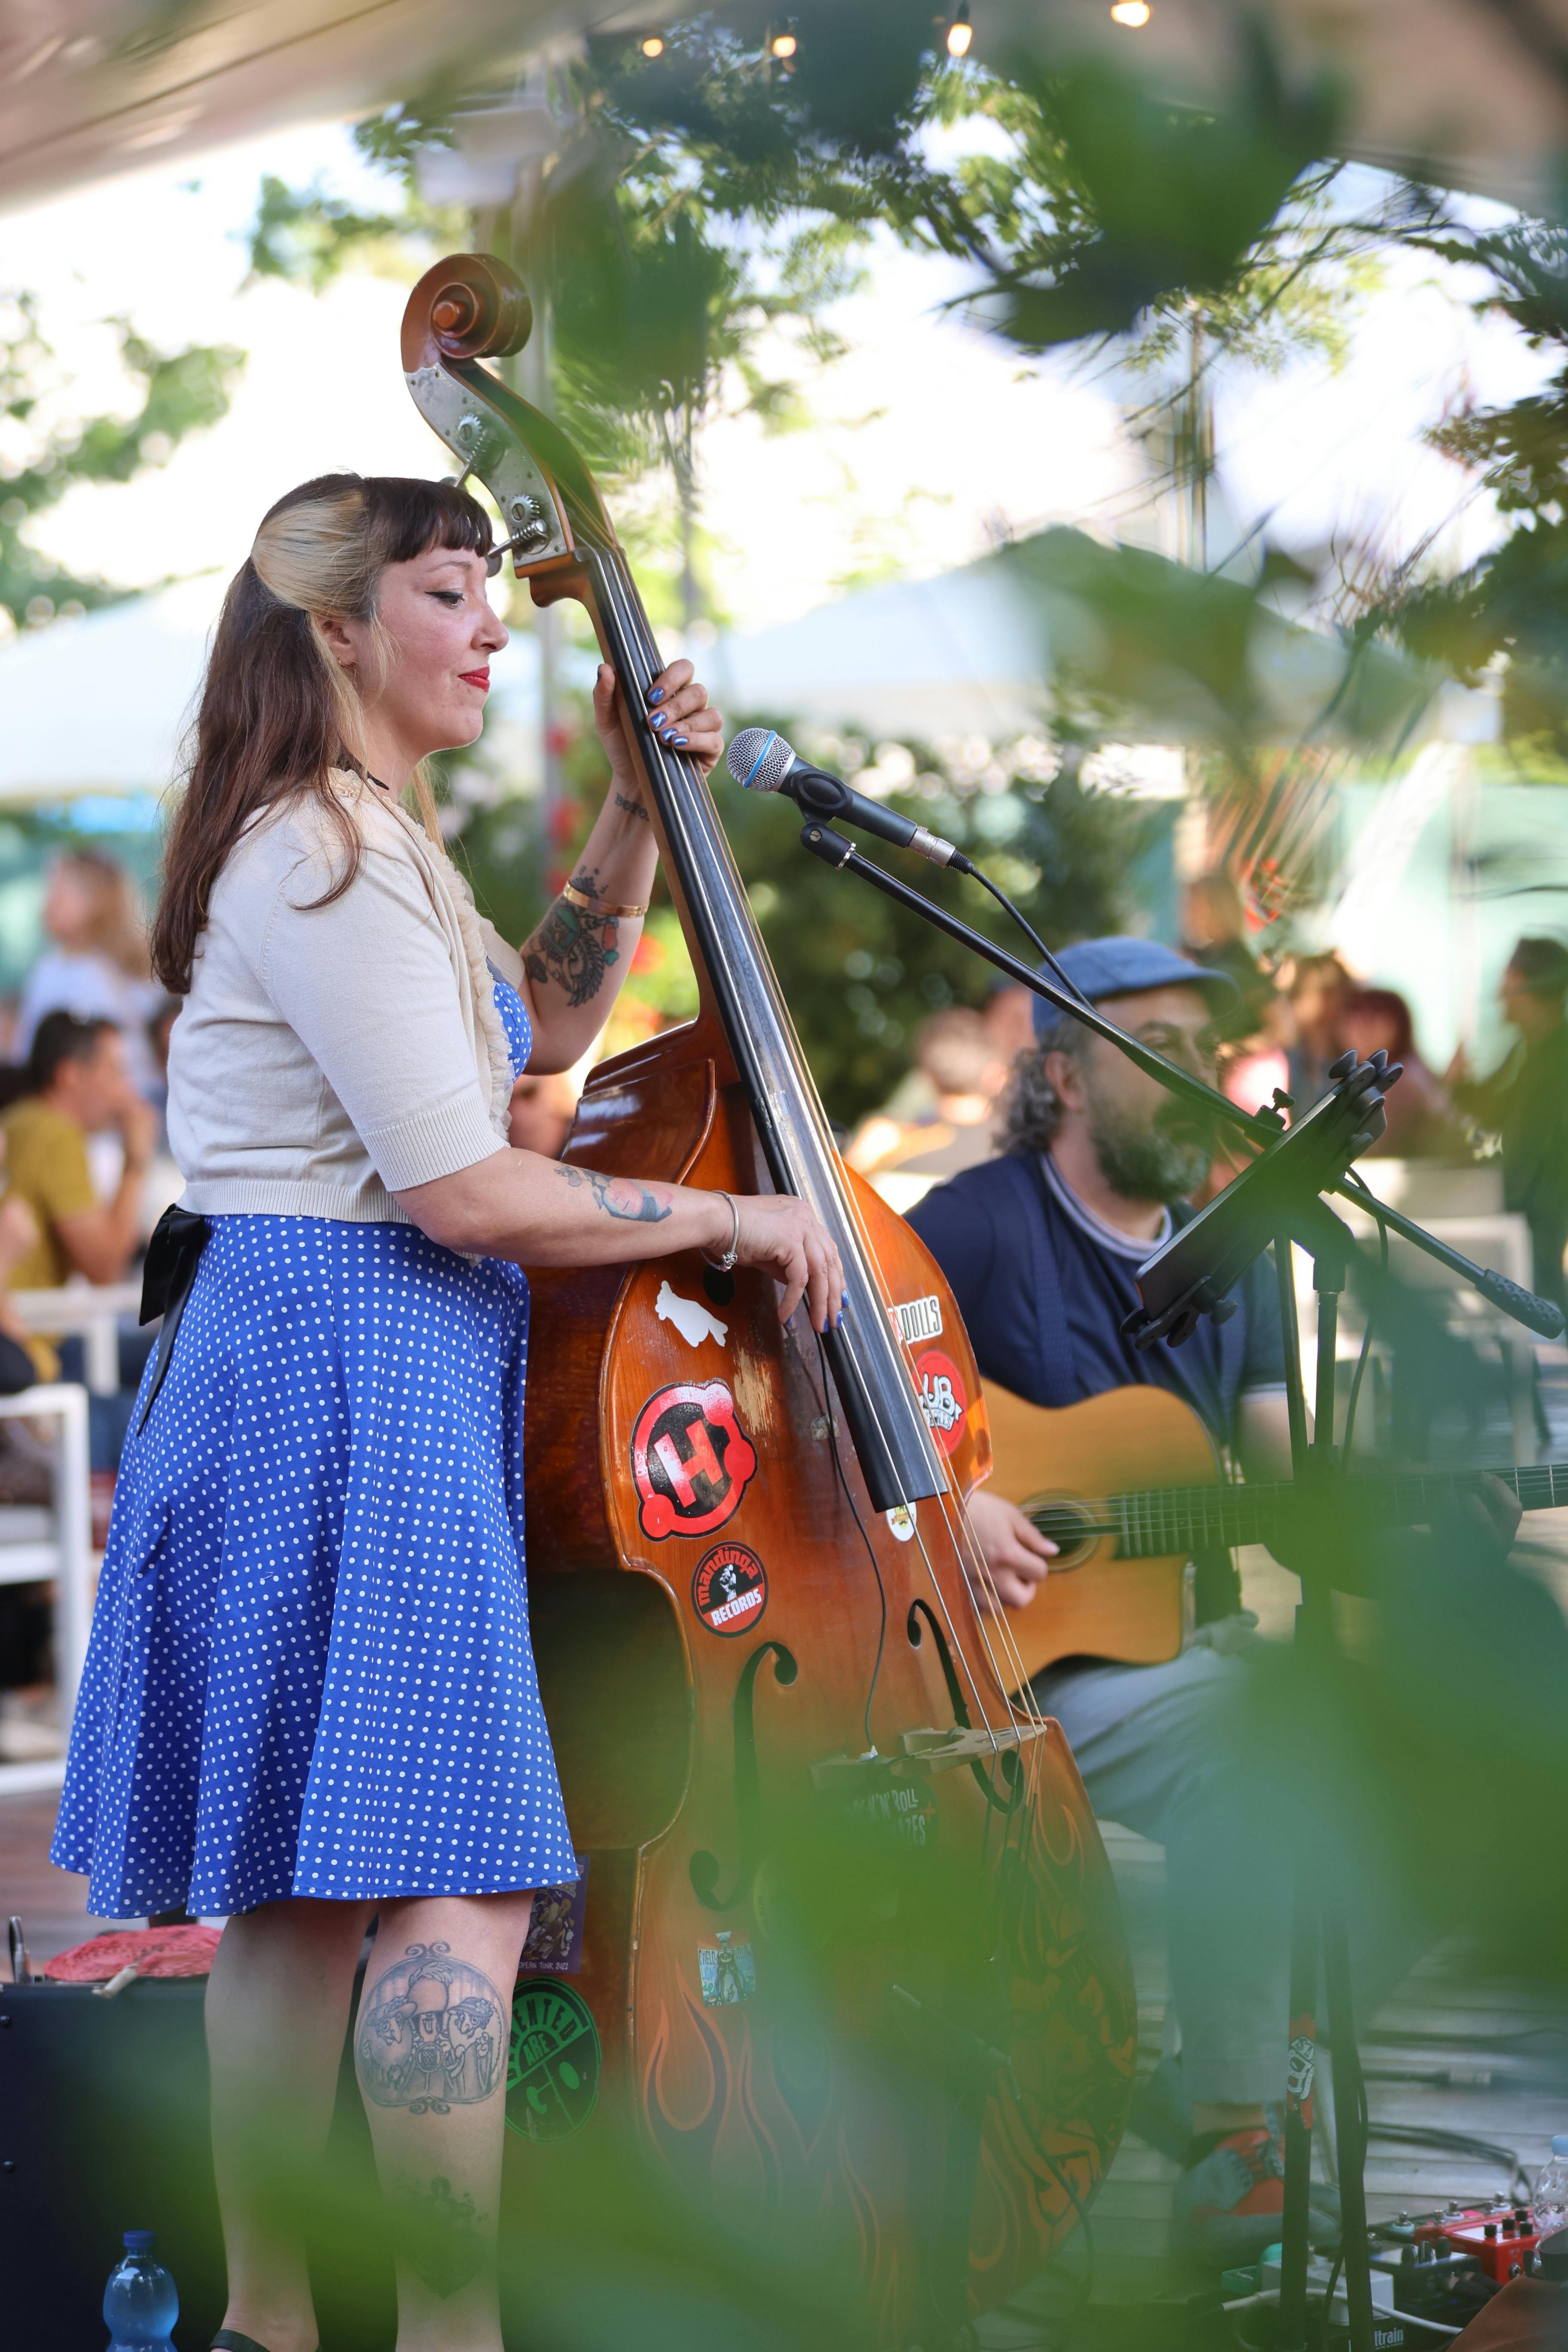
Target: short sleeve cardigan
{"type": "Point", "coordinates": [328, 1057]}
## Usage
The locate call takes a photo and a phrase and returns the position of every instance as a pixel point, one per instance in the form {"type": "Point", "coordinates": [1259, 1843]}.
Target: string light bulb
{"type": "Point", "coordinates": [1132, 13]}
{"type": "Point", "coordinates": [653, 46]}
{"type": "Point", "coordinates": [783, 45]}
{"type": "Point", "coordinates": [960, 33]}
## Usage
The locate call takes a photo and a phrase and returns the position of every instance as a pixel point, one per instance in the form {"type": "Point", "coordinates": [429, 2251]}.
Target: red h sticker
{"type": "Point", "coordinates": [691, 1461]}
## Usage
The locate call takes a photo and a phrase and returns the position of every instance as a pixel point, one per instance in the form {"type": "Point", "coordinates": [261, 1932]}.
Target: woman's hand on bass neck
{"type": "Point", "coordinates": [576, 961]}
{"type": "Point", "coordinates": [678, 713]}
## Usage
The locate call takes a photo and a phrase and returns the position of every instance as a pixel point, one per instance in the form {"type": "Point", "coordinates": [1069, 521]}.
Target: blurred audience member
{"type": "Point", "coordinates": [1318, 992]}
{"type": "Point", "coordinates": [78, 1087]}
{"type": "Point", "coordinates": [1526, 1102]}
{"type": "Point", "coordinates": [1009, 1018]}
{"type": "Point", "coordinates": [98, 966]}
{"type": "Point", "coordinates": [956, 1053]}
{"type": "Point", "coordinates": [1214, 933]}
{"type": "Point", "coordinates": [1421, 1121]}
{"type": "Point", "coordinates": [544, 1106]}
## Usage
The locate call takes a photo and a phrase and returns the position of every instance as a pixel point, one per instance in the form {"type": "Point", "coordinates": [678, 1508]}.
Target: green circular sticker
{"type": "Point", "coordinates": [552, 2071]}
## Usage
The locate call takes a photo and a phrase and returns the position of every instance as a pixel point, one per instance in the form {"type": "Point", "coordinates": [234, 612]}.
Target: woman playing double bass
{"type": "Point", "coordinates": [310, 1694]}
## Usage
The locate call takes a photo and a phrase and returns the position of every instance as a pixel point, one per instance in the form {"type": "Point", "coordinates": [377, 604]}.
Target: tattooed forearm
{"type": "Point", "coordinates": [574, 946]}
{"type": "Point", "coordinates": [633, 808]}
{"type": "Point", "coordinates": [619, 1196]}
{"type": "Point", "coordinates": [440, 2235]}
{"type": "Point", "coordinates": [432, 2034]}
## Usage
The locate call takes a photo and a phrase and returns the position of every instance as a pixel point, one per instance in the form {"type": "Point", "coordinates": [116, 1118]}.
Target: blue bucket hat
{"type": "Point", "coordinates": [1117, 967]}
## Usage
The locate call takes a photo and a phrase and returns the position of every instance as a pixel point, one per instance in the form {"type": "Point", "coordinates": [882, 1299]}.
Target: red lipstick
{"type": "Point", "coordinates": [479, 677]}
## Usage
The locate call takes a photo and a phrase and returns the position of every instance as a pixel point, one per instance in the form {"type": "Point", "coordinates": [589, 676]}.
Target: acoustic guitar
{"type": "Point", "coordinates": [1129, 1486]}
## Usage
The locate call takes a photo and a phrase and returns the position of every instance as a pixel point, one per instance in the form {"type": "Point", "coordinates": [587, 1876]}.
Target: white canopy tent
{"type": "Point", "coordinates": [96, 706]}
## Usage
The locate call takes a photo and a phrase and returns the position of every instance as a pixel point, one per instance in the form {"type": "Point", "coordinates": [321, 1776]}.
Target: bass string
{"type": "Point", "coordinates": [682, 795]}
{"type": "Point", "coordinates": [682, 788]}
{"type": "Point", "coordinates": [622, 592]}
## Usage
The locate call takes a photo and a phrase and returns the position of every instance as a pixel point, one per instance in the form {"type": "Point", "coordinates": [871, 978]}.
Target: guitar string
{"type": "Point", "coordinates": [615, 577]}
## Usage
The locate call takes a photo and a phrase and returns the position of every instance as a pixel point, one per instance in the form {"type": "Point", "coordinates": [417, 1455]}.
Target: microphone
{"type": "Point", "coordinates": [762, 762]}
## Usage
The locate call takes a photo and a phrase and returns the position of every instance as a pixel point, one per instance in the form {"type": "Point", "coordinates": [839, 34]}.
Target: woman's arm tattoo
{"type": "Point", "coordinates": [633, 808]}
{"type": "Point", "coordinates": [574, 946]}
{"type": "Point", "coordinates": [620, 1197]}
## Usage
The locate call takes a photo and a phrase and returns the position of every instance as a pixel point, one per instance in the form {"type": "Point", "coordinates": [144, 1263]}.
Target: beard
{"type": "Point", "coordinates": [1162, 1159]}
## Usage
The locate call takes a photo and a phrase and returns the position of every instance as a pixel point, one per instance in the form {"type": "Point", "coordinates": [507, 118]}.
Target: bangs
{"type": "Point", "coordinates": [408, 517]}
{"type": "Point", "coordinates": [403, 515]}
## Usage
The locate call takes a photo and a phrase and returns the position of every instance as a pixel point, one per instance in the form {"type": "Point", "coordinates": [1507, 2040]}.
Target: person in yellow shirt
{"type": "Point", "coordinates": [78, 1087]}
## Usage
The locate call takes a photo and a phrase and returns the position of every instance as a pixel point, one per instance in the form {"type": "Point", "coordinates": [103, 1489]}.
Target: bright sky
{"type": "Point", "coordinates": [924, 443]}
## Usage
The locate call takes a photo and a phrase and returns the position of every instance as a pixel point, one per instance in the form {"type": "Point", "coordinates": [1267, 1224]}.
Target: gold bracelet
{"type": "Point", "coordinates": [575, 897]}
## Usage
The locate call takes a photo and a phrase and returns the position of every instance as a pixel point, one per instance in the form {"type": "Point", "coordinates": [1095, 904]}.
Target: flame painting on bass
{"type": "Point", "coordinates": [852, 1946]}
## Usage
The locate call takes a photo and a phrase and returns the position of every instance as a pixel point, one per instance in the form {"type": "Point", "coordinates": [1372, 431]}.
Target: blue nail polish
{"type": "Point", "coordinates": [679, 742]}
{"type": "Point", "coordinates": [655, 694]}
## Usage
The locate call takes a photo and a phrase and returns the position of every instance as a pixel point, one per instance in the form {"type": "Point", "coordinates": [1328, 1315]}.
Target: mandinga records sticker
{"type": "Point", "coordinates": [729, 1589]}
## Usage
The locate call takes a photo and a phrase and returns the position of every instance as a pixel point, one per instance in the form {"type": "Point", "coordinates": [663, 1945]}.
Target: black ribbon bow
{"type": "Point", "coordinates": [167, 1273]}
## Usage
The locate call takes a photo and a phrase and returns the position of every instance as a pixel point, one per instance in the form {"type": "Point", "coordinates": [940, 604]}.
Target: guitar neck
{"type": "Point", "coordinates": [1156, 1523]}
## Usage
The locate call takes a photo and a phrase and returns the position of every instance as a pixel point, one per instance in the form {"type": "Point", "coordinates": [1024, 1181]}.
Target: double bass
{"type": "Point", "coordinates": [850, 1947]}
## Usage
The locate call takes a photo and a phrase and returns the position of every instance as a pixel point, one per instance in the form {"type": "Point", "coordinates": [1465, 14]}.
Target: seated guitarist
{"type": "Point", "coordinates": [1041, 1246]}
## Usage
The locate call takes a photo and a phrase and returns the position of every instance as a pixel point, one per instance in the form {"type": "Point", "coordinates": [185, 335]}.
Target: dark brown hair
{"type": "Point", "coordinates": [62, 1037]}
{"type": "Point", "coordinates": [278, 712]}
{"type": "Point", "coordinates": [1385, 1004]}
{"type": "Point", "coordinates": [1542, 965]}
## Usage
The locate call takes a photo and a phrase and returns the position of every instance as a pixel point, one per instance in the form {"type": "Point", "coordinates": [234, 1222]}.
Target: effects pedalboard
{"type": "Point", "coordinates": [1430, 2267]}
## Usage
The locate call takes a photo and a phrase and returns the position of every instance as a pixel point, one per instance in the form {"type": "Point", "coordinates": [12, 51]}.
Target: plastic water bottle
{"type": "Point", "coordinates": [140, 2305]}
{"type": "Point", "coordinates": [1550, 2203]}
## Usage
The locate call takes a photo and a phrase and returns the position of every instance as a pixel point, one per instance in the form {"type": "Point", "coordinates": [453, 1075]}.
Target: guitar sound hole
{"type": "Point", "coordinates": [1066, 1524]}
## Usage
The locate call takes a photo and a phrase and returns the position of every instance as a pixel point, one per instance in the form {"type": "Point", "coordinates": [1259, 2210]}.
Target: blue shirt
{"type": "Point", "coordinates": [985, 1232]}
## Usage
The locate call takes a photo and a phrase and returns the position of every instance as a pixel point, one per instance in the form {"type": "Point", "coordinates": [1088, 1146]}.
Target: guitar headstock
{"type": "Point", "coordinates": [469, 308]}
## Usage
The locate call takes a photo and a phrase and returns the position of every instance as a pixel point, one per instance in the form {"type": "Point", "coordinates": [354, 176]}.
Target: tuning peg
{"type": "Point", "coordinates": [1343, 1068]}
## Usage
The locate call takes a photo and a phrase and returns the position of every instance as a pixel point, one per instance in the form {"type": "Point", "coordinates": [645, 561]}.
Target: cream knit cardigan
{"type": "Point", "coordinates": [328, 1057]}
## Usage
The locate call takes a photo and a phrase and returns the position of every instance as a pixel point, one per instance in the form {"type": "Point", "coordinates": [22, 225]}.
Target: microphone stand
{"type": "Point", "coordinates": [1278, 1200]}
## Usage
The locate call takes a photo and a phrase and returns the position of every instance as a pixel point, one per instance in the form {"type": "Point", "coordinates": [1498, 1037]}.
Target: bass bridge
{"type": "Point", "coordinates": [931, 1751]}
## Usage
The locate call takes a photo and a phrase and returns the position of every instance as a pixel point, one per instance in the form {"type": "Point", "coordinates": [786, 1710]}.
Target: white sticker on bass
{"type": "Point", "coordinates": [689, 1316]}
{"type": "Point", "coordinates": [917, 1319]}
{"type": "Point", "coordinates": [901, 1521]}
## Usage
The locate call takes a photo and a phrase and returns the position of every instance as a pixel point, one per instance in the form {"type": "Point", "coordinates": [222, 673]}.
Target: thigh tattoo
{"type": "Point", "coordinates": [432, 2034]}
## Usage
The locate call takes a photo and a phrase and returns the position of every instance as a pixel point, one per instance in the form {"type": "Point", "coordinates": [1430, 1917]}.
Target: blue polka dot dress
{"type": "Point", "coordinates": [309, 1670]}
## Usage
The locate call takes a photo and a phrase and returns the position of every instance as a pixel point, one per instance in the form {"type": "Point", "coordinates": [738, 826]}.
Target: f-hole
{"type": "Point", "coordinates": [1007, 1761]}
{"type": "Point", "coordinates": [704, 1867]}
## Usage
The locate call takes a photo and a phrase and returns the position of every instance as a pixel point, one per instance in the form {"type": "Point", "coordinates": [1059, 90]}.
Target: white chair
{"type": "Point", "coordinates": [90, 1311]}
{"type": "Point", "coordinates": [54, 1544]}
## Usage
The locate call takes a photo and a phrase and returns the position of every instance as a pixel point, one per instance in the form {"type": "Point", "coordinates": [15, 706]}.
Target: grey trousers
{"type": "Point", "coordinates": [1151, 1745]}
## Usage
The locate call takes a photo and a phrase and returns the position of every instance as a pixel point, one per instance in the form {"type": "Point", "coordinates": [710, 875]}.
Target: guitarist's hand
{"type": "Point", "coordinates": [1495, 1510]}
{"type": "Point", "coordinates": [1017, 1557]}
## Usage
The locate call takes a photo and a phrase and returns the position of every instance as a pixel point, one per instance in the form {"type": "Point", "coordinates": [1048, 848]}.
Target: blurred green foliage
{"type": "Point", "coordinates": [1513, 603]}
{"type": "Point", "coordinates": [47, 450]}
